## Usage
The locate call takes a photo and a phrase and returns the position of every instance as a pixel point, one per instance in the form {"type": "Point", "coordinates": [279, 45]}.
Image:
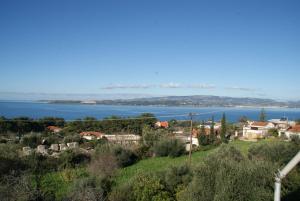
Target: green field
{"type": "Point", "coordinates": [162, 163]}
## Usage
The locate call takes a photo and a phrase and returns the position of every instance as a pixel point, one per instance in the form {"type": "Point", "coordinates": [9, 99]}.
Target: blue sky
{"type": "Point", "coordinates": [229, 48]}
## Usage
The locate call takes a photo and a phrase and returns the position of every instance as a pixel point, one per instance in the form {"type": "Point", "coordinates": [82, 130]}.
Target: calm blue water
{"type": "Point", "coordinates": [74, 111]}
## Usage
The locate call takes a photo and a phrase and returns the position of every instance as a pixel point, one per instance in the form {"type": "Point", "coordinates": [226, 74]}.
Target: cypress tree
{"type": "Point", "coordinates": [262, 116]}
{"type": "Point", "coordinates": [202, 136]}
{"type": "Point", "coordinates": [223, 128]}
{"type": "Point", "coordinates": [212, 130]}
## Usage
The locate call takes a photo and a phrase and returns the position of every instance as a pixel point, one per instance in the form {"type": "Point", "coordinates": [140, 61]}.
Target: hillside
{"type": "Point", "coordinates": [197, 100]}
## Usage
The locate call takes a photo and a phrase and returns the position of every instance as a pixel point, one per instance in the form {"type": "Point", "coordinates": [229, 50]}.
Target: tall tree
{"type": "Point", "coordinates": [262, 116]}
{"type": "Point", "coordinates": [212, 130]}
{"type": "Point", "coordinates": [223, 128]}
{"type": "Point", "coordinates": [203, 140]}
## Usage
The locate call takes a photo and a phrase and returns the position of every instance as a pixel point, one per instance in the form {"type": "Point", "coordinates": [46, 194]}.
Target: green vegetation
{"type": "Point", "coordinates": [169, 147]}
{"type": "Point", "coordinates": [262, 116]}
{"type": "Point", "coordinates": [155, 169]}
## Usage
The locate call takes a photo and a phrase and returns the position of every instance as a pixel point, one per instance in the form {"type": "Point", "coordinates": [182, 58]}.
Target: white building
{"type": "Point", "coordinates": [257, 130]}
{"type": "Point", "coordinates": [293, 131]}
{"type": "Point", "coordinates": [91, 135]}
{"type": "Point", "coordinates": [123, 138]}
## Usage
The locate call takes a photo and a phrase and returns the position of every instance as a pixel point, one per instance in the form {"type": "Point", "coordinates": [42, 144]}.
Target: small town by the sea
{"type": "Point", "coordinates": [158, 100]}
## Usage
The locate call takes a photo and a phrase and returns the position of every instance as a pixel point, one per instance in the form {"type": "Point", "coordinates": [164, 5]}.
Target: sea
{"type": "Point", "coordinates": [35, 110]}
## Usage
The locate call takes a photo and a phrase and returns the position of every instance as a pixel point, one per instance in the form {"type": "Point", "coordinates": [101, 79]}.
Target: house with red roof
{"type": "Point", "coordinates": [257, 129]}
{"type": "Point", "coordinates": [162, 124]}
{"type": "Point", "coordinates": [54, 129]}
{"type": "Point", "coordinates": [293, 131]}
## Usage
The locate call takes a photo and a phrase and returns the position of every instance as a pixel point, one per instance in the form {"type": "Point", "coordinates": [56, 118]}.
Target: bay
{"type": "Point", "coordinates": [11, 109]}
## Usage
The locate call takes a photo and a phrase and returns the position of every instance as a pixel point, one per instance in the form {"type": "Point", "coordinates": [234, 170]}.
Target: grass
{"type": "Point", "coordinates": [59, 182]}
{"type": "Point", "coordinates": [161, 163]}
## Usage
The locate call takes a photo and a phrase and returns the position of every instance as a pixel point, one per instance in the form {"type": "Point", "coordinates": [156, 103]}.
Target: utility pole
{"type": "Point", "coordinates": [191, 139]}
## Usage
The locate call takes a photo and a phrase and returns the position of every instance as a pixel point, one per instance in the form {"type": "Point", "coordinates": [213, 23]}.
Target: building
{"type": "Point", "coordinates": [91, 135]}
{"type": "Point", "coordinates": [207, 126]}
{"type": "Point", "coordinates": [123, 138]}
{"type": "Point", "coordinates": [293, 131]}
{"type": "Point", "coordinates": [257, 129]}
{"type": "Point", "coordinates": [282, 123]}
{"type": "Point", "coordinates": [54, 129]}
{"type": "Point", "coordinates": [162, 124]}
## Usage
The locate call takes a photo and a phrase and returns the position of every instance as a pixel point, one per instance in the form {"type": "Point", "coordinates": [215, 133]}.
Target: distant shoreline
{"type": "Point", "coordinates": [147, 105]}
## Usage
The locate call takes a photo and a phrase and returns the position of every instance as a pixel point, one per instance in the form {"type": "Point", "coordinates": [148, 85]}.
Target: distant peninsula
{"type": "Point", "coordinates": [196, 101]}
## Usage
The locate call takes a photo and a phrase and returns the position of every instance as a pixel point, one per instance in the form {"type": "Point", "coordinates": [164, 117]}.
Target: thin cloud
{"type": "Point", "coordinates": [170, 85]}
{"type": "Point", "coordinates": [242, 89]}
{"type": "Point", "coordinates": [121, 86]}
{"type": "Point", "coordinates": [201, 86]}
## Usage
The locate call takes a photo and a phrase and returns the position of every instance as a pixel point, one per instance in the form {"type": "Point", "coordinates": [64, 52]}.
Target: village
{"type": "Point", "coordinates": [244, 131]}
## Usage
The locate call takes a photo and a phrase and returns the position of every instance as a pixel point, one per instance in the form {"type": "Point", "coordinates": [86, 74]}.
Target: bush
{"type": "Point", "coordinates": [32, 140]}
{"type": "Point", "coordinates": [226, 175]}
{"type": "Point", "coordinates": [104, 164]}
{"type": "Point", "coordinates": [175, 177]}
{"type": "Point", "coordinates": [169, 147]}
{"type": "Point", "coordinates": [10, 162]}
{"type": "Point", "coordinates": [273, 132]}
{"type": "Point", "coordinates": [90, 188]}
{"type": "Point", "coordinates": [124, 157]}
{"type": "Point", "coordinates": [73, 138]}
{"type": "Point", "coordinates": [280, 152]}
{"type": "Point", "coordinates": [121, 193]}
{"type": "Point", "coordinates": [73, 158]}
{"type": "Point", "coordinates": [149, 187]}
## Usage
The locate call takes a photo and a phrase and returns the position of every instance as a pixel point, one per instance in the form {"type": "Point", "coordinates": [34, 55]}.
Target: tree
{"type": "Point", "coordinates": [243, 119]}
{"type": "Point", "coordinates": [149, 187]}
{"type": "Point", "coordinates": [212, 130]}
{"type": "Point", "coordinates": [203, 140]}
{"type": "Point", "coordinates": [262, 116]}
{"type": "Point", "coordinates": [223, 129]}
{"type": "Point", "coordinates": [227, 175]}
{"type": "Point", "coordinates": [169, 147]}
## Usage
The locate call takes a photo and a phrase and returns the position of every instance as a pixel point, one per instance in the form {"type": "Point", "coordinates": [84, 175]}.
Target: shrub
{"type": "Point", "coordinates": [73, 138]}
{"type": "Point", "coordinates": [280, 152]}
{"type": "Point", "coordinates": [32, 140]}
{"type": "Point", "coordinates": [226, 175]}
{"type": "Point", "coordinates": [89, 188]}
{"type": "Point", "coordinates": [174, 177]}
{"type": "Point", "coordinates": [10, 160]}
{"type": "Point", "coordinates": [169, 147]}
{"type": "Point", "coordinates": [273, 132]}
{"type": "Point", "coordinates": [73, 158]}
{"type": "Point", "coordinates": [149, 187]}
{"type": "Point", "coordinates": [104, 164]}
{"type": "Point", "coordinates": [121, 193]}
{"type": "Point", "coordinates": [124, 157]}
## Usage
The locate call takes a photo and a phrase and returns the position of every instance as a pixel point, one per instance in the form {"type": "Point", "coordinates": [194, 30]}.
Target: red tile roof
{"type": "Point", "coordinates": [259, 123]}
{"type": "Point", "coordinates": [164, 124]}
{"type": "Point", "coordinates": [54, 128]}
{"type": "Point", "coordinates": [295, 129]}
{"type": "Point", "coordinates": [91, 133]}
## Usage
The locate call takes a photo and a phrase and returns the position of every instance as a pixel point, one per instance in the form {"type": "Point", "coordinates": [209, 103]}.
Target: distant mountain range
{"type": "Point", "coordinates": [197, 101]}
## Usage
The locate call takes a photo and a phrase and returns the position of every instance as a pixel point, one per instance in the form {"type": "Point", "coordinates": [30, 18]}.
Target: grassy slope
{"type": "Point", "coordinates": [162, 163]}
{"type": "Point", "coordinates": [60, 182]}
